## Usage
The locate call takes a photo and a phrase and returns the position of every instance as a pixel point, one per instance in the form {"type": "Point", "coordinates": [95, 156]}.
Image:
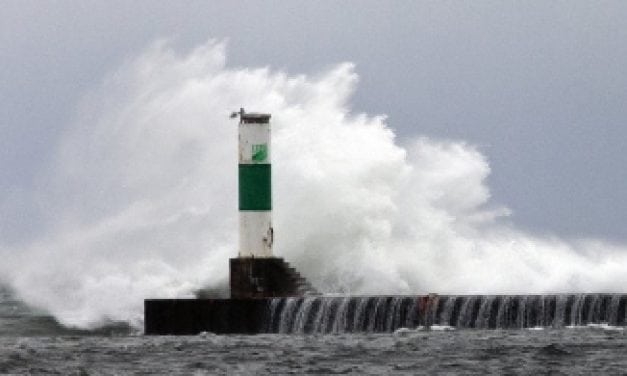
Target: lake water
{"type": "Point", "coordinates": [33, 343]}
{"type": "Point", "coordinates": [564, 351]}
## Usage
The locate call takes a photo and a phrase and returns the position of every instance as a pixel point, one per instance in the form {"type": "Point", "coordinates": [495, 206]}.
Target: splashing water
{"type": "Point", "coordinates": [140, 199]}
{"type": "Point", "coordinates": [393, 313]}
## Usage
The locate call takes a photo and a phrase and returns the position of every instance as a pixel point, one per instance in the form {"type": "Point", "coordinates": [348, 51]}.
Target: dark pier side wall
{"type": "Point", "coordinates": [324, 314]}
{"type": "Point", "coordinates": [222, 316]}
{"type": "Point", "coordinates": [193, 316]}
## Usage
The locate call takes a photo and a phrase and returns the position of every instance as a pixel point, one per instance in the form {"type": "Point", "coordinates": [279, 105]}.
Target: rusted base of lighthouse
{"type": "Point", "coordinates": [267, 277]}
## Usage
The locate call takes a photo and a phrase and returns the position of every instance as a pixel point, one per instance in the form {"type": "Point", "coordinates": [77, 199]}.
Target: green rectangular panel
{"type": "Point", "coordinates": [255, 187]}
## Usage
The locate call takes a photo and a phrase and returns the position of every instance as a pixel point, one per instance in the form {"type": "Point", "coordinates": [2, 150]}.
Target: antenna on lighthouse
{"type": "Point", "coordinates": [239, 113]}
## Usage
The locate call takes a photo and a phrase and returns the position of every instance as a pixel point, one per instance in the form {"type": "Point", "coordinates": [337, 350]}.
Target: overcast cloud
{"type": "Point", "coordinates": [540, 87]}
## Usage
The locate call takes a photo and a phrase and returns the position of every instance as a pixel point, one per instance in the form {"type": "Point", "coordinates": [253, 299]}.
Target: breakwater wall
{"type": "Point", "coordinates": [335, 314]}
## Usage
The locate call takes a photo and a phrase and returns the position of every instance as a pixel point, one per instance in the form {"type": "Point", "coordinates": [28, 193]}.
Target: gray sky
{"type": "Point", "coordinates": [541, 87]}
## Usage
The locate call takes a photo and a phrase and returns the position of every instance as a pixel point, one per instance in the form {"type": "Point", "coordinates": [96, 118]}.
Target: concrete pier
{"type": "Point", "coordinates": [376, 314]}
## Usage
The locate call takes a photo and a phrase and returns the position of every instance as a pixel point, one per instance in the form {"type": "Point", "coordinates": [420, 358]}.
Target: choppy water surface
{"type": "Point", "coordinates": [567, 351]}
{"type": "Point", "coordinates": [33, 343]}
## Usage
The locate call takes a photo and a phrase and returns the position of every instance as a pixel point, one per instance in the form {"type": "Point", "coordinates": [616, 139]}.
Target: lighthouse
{"type": "Point", "coordinates": [257, 272]}
{"type": "Point", "coordinates": [255, 185]}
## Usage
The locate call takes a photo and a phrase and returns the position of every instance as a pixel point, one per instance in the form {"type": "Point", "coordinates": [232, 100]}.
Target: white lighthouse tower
{"type": "Point", "coordinates": [255, 185]}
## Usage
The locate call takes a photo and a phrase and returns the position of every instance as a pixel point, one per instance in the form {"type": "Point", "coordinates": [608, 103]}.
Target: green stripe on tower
{"type": "Point", "coordinates": [255, 187]}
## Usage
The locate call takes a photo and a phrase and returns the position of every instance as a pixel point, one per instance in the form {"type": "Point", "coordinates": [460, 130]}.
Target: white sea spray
{"type": "Point", "coordinates": [141, 199]}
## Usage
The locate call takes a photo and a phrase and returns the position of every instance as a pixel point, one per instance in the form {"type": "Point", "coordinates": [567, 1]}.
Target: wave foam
{"type": "Point", "coordinates": [141, 199]}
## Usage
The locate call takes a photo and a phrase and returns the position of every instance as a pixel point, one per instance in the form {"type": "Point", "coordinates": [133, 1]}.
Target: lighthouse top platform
{"type": "Point", "coordinates": [254, 117]}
